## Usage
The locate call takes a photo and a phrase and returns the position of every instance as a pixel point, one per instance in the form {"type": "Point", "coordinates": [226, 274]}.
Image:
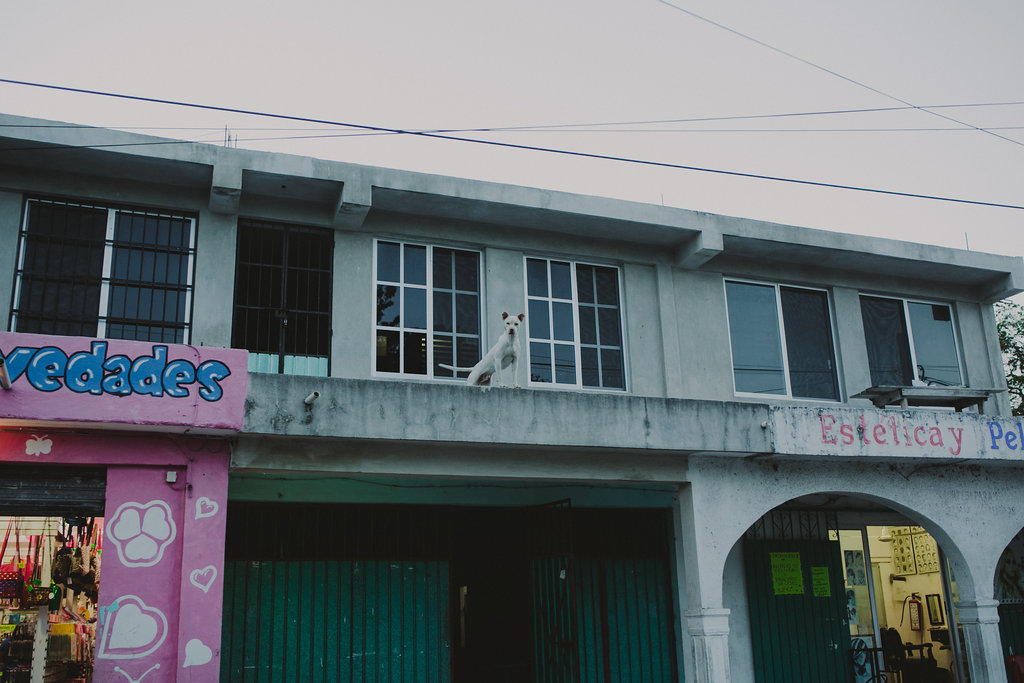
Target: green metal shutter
{"type": "Point", "coordinates": [626, 631]}
{"type": "Point", "coordinates": [336, 620]}
{"type": "Point", "coordinates": [798, 637]}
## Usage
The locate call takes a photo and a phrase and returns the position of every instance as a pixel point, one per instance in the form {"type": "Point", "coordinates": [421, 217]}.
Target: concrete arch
{"type": "Point", "coordinates": [971, 517]}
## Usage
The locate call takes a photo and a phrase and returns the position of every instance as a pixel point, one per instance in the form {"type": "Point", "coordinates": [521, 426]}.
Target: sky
{"type": "Point", "coordinates": [613, 78]}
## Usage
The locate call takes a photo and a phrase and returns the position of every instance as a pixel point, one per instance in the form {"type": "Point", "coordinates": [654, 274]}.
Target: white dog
{"type": "Point", "coordinates": [504, 355]}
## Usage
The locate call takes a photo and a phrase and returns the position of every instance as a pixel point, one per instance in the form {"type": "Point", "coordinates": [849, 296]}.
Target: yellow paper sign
{"type": "Point", "coordinates": [787, 576]}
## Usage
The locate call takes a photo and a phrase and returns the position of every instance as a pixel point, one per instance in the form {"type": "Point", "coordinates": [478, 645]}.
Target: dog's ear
{"type": "Point", "coordinates": [521, 316]}
{"type": "Point", "coordinates": [504, 315]}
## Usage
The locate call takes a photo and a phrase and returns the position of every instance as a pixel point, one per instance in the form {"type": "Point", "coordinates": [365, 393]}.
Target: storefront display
{"type": "Point", "coordinates": [49, 591]}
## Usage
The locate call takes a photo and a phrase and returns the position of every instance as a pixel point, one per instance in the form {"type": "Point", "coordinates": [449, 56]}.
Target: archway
{"type": "Point", "coordinates": [1009, 591]}
{"type": "Point", "coordinates": [843, 587]}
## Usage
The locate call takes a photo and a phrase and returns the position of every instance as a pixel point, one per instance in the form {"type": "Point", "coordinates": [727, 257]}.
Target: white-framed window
{"type": "Point", "coordinates": [574, 318]}
{"type": "Point", "coordinates": [782, 340]}
{"type": "Point", "coordinates": [99, 271]}
{"type": "Point", "coordinates": [426, 309]}
{"type": "Point", "coordinates": [910, 342]}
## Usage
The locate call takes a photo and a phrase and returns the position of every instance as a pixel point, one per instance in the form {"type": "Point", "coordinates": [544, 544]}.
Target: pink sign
{"type": "Point", "coordinates": [77, 379]}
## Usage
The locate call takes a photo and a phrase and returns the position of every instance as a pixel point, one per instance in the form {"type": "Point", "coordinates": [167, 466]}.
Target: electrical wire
{"type": "Point", "coordinates": [593, 124]}
{"type": "Point", "coordinates": [455, 138]}
{"type": "Point", "coordinates": [834, 73]}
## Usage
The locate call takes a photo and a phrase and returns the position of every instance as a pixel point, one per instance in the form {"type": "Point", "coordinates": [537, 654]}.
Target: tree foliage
{"type": "Point", "coordinates": [1010, 325]}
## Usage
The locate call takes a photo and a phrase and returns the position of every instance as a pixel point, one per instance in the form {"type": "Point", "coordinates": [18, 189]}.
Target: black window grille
{"type": "Point", "coordinates": [104, 272]}
{"type": "Point", "coordinates": [282, 312]}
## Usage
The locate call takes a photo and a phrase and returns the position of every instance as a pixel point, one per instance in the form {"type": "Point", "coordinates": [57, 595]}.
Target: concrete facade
{"type": "Point", "coordinates": [679, 437]}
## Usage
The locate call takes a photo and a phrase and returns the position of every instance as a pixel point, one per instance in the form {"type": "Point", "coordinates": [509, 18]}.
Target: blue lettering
{"type": "Point", "coordinates": [116, 382]}
{"type": "Point", "coordinates": [992, 430]}
{"type": "Point", "coordinates": [148, 371]}
{"type": "Point", "coordinates": [85, 370]}
{"type": "Point", "coordinates": [1011, 441]}
{"type": "Point", "coordinates": [208, 374]}
{"type": "Point", "coordinates": [47, 363]}
{"type": "Point", "coordinates": [91, 372]}
{"type": "Point", "coordinates": [17, 360]}
{"type": "Point", "coordinates": [178, 372]}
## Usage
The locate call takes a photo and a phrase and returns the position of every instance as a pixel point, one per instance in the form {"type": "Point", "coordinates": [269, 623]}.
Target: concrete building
{"type": "Point", "coordinates": [739, 451]}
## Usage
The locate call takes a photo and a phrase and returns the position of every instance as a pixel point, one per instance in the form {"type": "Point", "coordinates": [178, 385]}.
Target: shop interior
{"type": "Point", "coordinates": [49, 583]}
{"type": "Point", "coordinates": [900, 601]}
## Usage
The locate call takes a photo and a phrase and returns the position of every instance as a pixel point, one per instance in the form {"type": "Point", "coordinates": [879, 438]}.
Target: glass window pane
{"type": "Point", "coordinates": [415, 314]}
{"type": "Point", "coordinates": [442, 268]}
{"type": "Point", "coordinates": [467, 351]}
{"type": "Point", "coordinates": [540, 362]}
{"type": "Point", "coordinates": [443, 312]}
{"type": "Point", "coordinates": [387, 262]}
{"type": "Point", "coordinates": [561, 285]}
{"type": "Point", "coordinates": [443, 353]}
{"type": "Point", "coordinates": [809, 348]}
{"type": "Point", "coordinates": [561, 316]}
{"type": "Point", "coordinates": [609, 326]}
{"type": "Point", "coordinates": [537, 319]}
{"type": "Point", "coordinates": [536, 277]}
{"type": "Point", "coordinates": [588, 325]}
{"type": "Point", "coordinates": [387, 350]}
{"type": "Point", "coordinates": [415, 264]}
{"type": "Point", "coordinates": [388, 309]}
{"type": "Point", "coordinates": [885, 335]}
{"type": "Point", "coordinates": [415, 353]}
{"type": "Point", "coordinates": [467, 271]}
{"type": "Point", "coordinates": [467, 314]}
{"type": "Point", "coordinates": [612, 375]}
{"type": "Point", "coordinates": [565, 364]}
{"type": "Point", "coordinates": [589, 368]}
{"type": "Point", "coordinates": [934, 344]}
{"type": "Point", "coordinates": [755, 338]}
{"type": "Point", "coordinates": [585, 284]}
{"type": "Point", "coordinates": [607, 286]}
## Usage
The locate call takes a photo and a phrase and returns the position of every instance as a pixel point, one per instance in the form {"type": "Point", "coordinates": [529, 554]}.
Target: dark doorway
{"type": "Point", "coordinates": [491, 591]}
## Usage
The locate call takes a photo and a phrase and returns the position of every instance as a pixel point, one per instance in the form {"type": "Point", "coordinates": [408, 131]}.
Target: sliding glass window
{"type": "Point", "coordinates": [782, 341]}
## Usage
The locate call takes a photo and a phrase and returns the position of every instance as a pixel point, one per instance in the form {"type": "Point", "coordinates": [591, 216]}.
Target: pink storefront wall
{"type": "Point", "coordinates": [161, 581]}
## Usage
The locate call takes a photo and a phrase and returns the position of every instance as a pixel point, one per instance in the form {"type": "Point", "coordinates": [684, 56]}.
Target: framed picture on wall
{"type": "Point", "coordinates": [934, 601]}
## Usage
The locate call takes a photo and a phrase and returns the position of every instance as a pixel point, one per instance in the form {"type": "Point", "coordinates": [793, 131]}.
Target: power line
{"type": "Point", "coordinates": [833, 73]}
{"type": "Point", "coordinates": [491, 143]}
{"type": "Point", "coordinates": [556, 126]}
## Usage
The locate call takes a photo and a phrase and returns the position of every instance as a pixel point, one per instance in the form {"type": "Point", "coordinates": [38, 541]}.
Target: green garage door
{"type": "Point", "coordinates": [337, 620]}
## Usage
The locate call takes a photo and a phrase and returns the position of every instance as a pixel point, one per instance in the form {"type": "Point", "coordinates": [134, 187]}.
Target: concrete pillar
{"type": "Point", "coordinates": [705, 637]}
{"type": "Point", "coordinates": [980, 622]}
{"type": "Point", "coordinates": [709, 642]}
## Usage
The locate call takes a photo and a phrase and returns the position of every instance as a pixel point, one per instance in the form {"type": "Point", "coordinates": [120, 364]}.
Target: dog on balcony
{"type": "Point", "coordinates": [503, 358]}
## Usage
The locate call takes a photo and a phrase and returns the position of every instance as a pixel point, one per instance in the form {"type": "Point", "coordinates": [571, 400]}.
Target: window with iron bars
{"type": "Point", "coordinates": [95, 271]}
{"type": "Point", "coordinates": [282, 312]}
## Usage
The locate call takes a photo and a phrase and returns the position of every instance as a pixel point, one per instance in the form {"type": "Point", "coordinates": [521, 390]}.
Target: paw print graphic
{"type": "Point", "coordinates": [141, 532]}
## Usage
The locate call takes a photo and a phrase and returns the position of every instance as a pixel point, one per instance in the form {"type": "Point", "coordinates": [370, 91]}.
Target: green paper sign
{"type": "Point", "coordinates": [820, 585]}
{"type": "Point", "coordinates": [787, 575]}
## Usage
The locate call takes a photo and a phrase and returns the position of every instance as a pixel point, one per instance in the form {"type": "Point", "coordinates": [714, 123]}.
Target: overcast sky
{"type": "Point", "coordinates": [470, 64]}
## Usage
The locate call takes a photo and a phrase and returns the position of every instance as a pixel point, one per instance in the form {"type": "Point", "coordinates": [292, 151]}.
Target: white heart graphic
{"type": "Point", "coordinates": [132, 629]}
{"type": "Point", "coordinates": [203, 578]}
{"type": "Point", "coordinates": [196, 653]}
{"type": "Point", "coordinates": [206, 507]}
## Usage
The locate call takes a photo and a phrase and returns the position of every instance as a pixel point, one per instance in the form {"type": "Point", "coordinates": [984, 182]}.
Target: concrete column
{"type": "Point", "coordinates": [705, 636]}
{"type": "Point", "coordinates": [10, 226]}
{"type": "Point", "coordinates": [709, 643]}
{"type": "Point", "coordinates": [214, 286]}
{"type": "Point", "coordinates": [980, 621]}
